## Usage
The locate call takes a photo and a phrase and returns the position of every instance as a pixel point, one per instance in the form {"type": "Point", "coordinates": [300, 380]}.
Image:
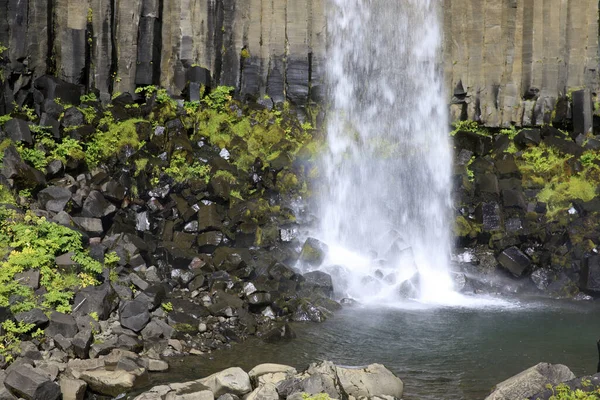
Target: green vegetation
{"type": "Point", "coordinates": [111, 138]}
{"type": "Point", "coordinates": [564, 392]}
{"type": "Point", "coordinates": [167, 307]}
{"type": "Point", "coordinates": [545, 168]}
{"type": "Point", "coordinates": [181, 169]}
{"type": "Point", "coordinates": [318, 396]}
{"type": "Point", "coordinates": [29, 242]}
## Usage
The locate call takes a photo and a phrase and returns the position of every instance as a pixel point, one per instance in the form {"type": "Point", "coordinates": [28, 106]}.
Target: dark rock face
{"type": "Point", "coordinates": [62, 324]}
{"type": "Point", "coordinates": [313, 252]}
{"type": "Point", "coordinates": [134, 315]}
{"type": "Point", "coordinates": [590, 274]}
{"type": "Point", "coordinates": [30, 384]}
{"type": "Point", "coordinates": [514, 260]}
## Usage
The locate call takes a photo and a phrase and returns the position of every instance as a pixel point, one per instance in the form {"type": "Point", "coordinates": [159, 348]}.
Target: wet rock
{"type": "Point", "coordinates": [531, 381]}
{"type": "Point", "coordinates": [313, 252]}
{"type": "Point", "coordinates": [31, 384]}
{"type": "Point", "coordinates": [72, 118]}
{"type": "Point", "coordinates": [277, 333]}
{"type": "Point", "coordinates": [209, 218]}
{"type": "Point", "coordinates": [542, 278]}
{"type": "Point", "coordinates": [134, 315]}
{"type": "Point", "coordinates": [55, 88]}
{"type": "Point", "coordinates": [322, 280]}
{"type": "Point", "coordinates": [232, 380]}
{"type": "Point", "coordinates": [514, 260]}
{"type": "Point", "coordinates": [590, 274]}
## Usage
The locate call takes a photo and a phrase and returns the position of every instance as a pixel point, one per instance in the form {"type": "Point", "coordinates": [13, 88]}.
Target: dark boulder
{"type": "Point", "coordinates": [81, 343]}
{"type": "Point", "coordinates": [62, 324]}
{"type": "Point", "coordinates": [101, 300]}
{"type": "Point", "coordinates": [321, 280]}
{"type": "Point", "coordinates": [72, 118]}
{"type": "Point", "coordinates": [590, 274]}
{"type": "Point", "coordinates": [514, 260]}
{"type": "Point", "coordinates": [54, 198]}
{"type": "Point", "coordinates": [313, 252]}
{"type": "Point", "coordinates": [134, 315]}
{"type": "Point", "coordinates": [96, 206]}
{"type": "Point", "coordinates": [18, 131]}
{"type": "Point", "coordinates": [35, 316]}
{"type": "Point", "coordinates": [13, 167]}
{"type": "Point", "coordinates": [54, 88]}
{"type": "Point", "coordinates": [31, 384]}
{"type": "Point", "coordinates": [528, 137]}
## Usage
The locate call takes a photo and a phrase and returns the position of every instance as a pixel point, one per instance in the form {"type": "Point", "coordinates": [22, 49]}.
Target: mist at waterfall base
{"type": "Point", "coordinates": [385, 197]}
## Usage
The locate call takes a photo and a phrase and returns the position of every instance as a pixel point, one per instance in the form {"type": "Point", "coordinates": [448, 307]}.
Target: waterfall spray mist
{"type": "Point", "coordinates": [385, 206]}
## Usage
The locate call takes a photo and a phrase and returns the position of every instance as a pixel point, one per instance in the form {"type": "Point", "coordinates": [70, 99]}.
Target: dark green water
{"type": "Point", "coordinates": [440, 353]}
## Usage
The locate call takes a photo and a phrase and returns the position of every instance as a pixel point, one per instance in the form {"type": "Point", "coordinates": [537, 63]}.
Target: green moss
{"type": "Point", "coordinates": [558, 195]}
{"type": "Point", "coordinates": [181, 169]}
{"type": "Point", "coordinates": [184, 328]}
{"type": "Point", "coordinates": [116, 137]}
{"type": "Point", "coordinates": [226, 176]}
{"type": "Point", "coordinates": [463, 228]}
{"type": "Point", "coordinates": [6, 196]}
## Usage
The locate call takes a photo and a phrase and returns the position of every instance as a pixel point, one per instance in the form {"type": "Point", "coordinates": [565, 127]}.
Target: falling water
{"type": "Point", "coordinates": [385, 207]}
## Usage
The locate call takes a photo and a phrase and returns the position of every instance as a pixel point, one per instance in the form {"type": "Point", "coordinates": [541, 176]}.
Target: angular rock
{"type": "Point", "coordinates": [321, 280]}
{"type": "Point", "coordinates": [101, 300]}
{"type": "Point", "coordinates": [62, 324]}
{"type": "Point", "coordinates": [134, 315]}
{"type": "Point", "coordinates": [54, 198]}
{"type": "Point", "coordinates": [35, 316]}
{"type": "Point", "coordinates": [96, 206]}
{"type": "Point", "coordinates": [590, 274]}
{"type": "Point", "coordinates": [92, 226]}
{"type": "Point", "coordinates": [81, 343]}
{"type": "Point", "coordinates": [266, 391]}
{"type": "Point", "coordinates": [72, 389]}
{"type": "Point", "coordinates": [531, 381]}
{"type": "Point", "coordinates": [30, 384]}
{"type": "Point", "coordinates": [18, 131]}
{"type": "Point", "coordinates": [514, 260]}
{"type": "Point", "coordinates": [313, 252]}
{"type": "Point", "coordinates": [29, 278]}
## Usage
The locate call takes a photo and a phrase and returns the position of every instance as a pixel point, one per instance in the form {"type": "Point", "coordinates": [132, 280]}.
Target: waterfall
{"type": "Point", "coordinates": [384, 205]}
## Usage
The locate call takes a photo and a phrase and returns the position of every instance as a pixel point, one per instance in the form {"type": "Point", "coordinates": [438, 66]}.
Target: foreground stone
{"type": "Point", "coordinates": [276, 381]}
{"type": "Point", "coordinates": [30, 384]}
{"type": "Point", "coordinates": [531, 381]}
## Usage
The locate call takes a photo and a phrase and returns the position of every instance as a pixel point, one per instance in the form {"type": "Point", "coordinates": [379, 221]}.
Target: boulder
{"type": "Point", "coordinates": [313, 252]}
{"type": "Point", "coordinates": [531, 381]}
{"type": "Point", "coordinates": [54, 198]}
{"type": "Point", "coordinates": [373, 380]}
{"type": "Point", "coordinates": [72, 389]}
{"type": "Point", "coordinates": [96, 206]}
{"type": "Point", "coordinates": [18, 130]}
{"type": "Point", "coordinates": [62, 324]}
{"type": "Point", "coordinates": [113, 382]}
{"type": "Point", "coordinates": [101, 300]}
{"type": "Point", "coordinates": [35, 316]}
{"type": "Point", "coordinates": [232, 380]}
{"type": "Point", "coordinates": [31, 384]}
{"type": "Point", "coordinates": [270, 373]}
{"type": "Point", "coordinates": [267, 391]}
{"type": "Point", "coordinates": [514, 260]}
{"type": "Point", "coordinates": [134, 315]}
{"type": "Point", "coordinates": [590, 274]}
{"type": "Point", "coordinates": [321, 280]}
